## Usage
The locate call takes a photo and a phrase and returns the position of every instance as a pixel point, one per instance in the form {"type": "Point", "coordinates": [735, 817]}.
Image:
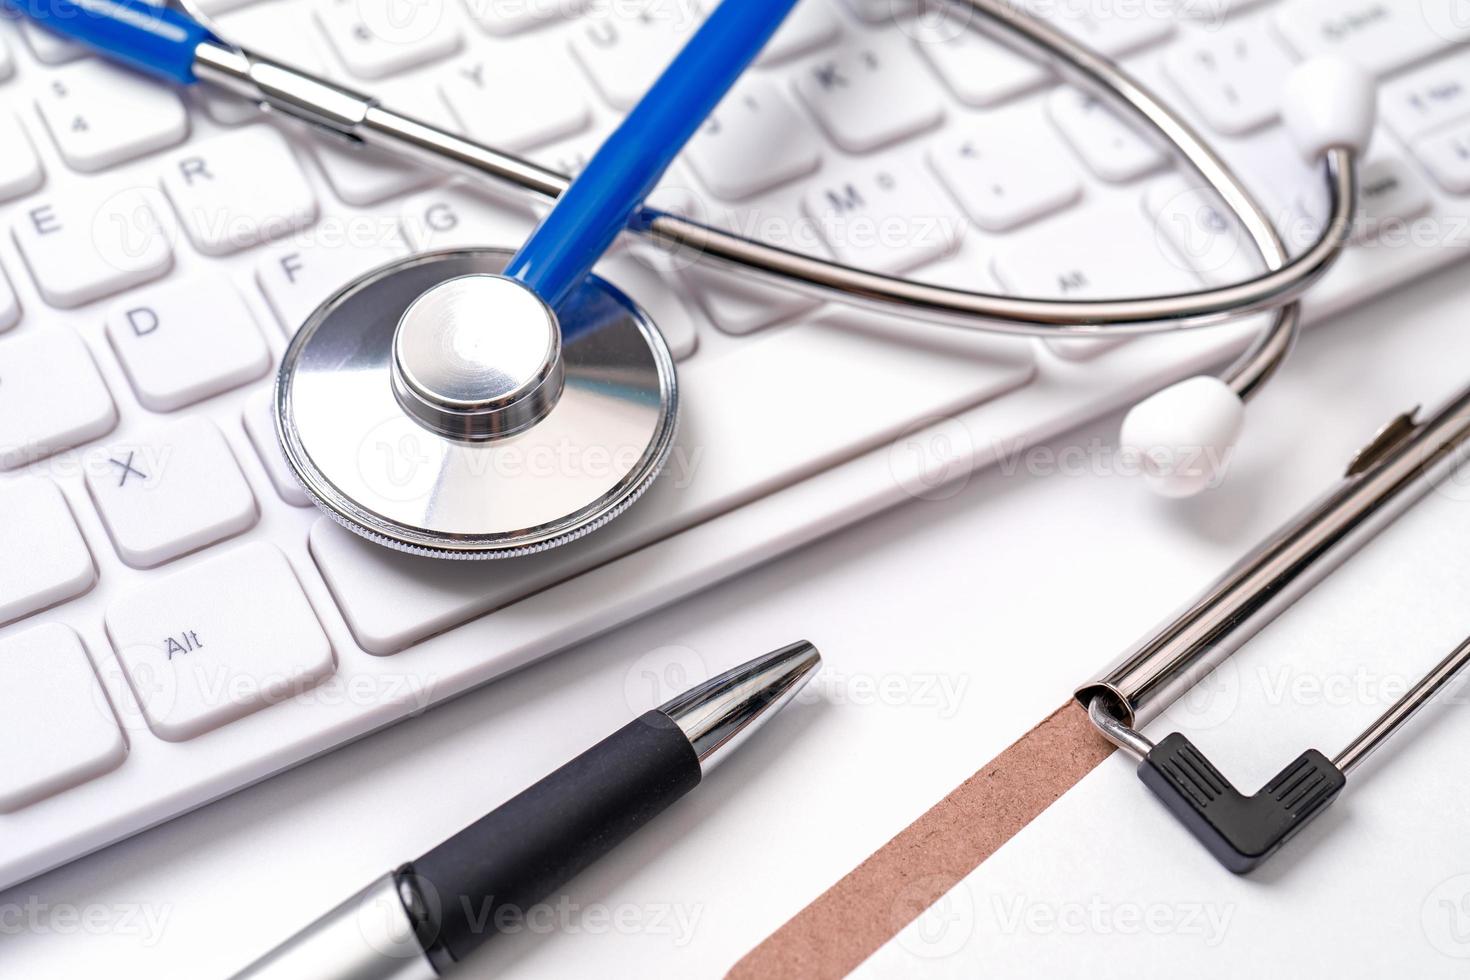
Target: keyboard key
{"type": "Point", "coordinates": [810, 25]}
{"type": "Point", "coordinates": [1112, 149]}
{"type": "Point", "coordinates": [20, 168]}
{"type": "Point", "coordinates": [51, 396]}
{"type": "Point", "coordinates": [474, 90]}
{"type": "Point", "coordinates": [879, 11]}
{"type": "Point", "coordinates": [378, 38]}
{"type": "Point", "coordinates": [888, 218]}
{"type": "Point", "coordinates": [1103, 253]}
{"type": "Point", "coordinates": [219, 641]}
{"type": "Point", "coordinates": [625, 47]}
{"type": "Point", "coordinates": [57, 729]}
{"type": "Point", "coordinates": [260, 426]}
{"type": "Point", "coordinates": [979, 71]}
{"type": "Point", "coordinates": [223, 107]}
{"type": "Point", "coordinates": [363, 175]}
{"type": "Point", "coordinates": [739, 306]}
{"type": "Point", "coordinates": [239, 189]}
{"type": "Point", "coordinates": [89, 242]}
{"type": "Point", "coordinates": [419, 96]}
{"type": "Point", "coordinates": [1201, 231]}
{"type": "Point", "coordinates": [1004, 179]}
{"type": "Point", "coordinates": [358, 175]}
{"type": "Point", "coordinates": [1111, 28]}
{"type": "Point", "coordinates": [735, 303]}
{"type": "Point", "coordinates": [9, 304]}
{"type": "Point", "coordinates": [569, 157]}
{"type": "Point", "coordinates": [297, 278]}
{"type": "Point", "coordinates": [457, 216]}
{"type": "Point", "coordinates": [48, 47]}
{"type": "Point", "coordinates": [1392, 194]}
{"type": "Point", "coordinates": [43, 559]}
{"type": "Point", "coordinates": [216, 7]}
{"type": "Point", "coordinates": [866, 97]}
{"type": "Point", "coordinates": [513, 16]}
{"type": "Point", "coordinates": [675, 193]}
{"type": "Point", "coordinates": [186, 341]}
{"type": "Point", "coordinates": [1446, 155]}
{"type": "Point", "coordinates": [1213, 13]}
{"type": "Point", "coordinates": [173, 492]}
{"type": "Point", "coordinates": [1428, 98]}
{"type": "Point", "coordinates": [649, 282]}
{"type": "Point", "coordinates": [1380, 36]}
{"type": "Point", "coordinates": [1233, 78]}
{"type": "Point", "coordinates": [392, 600]}
{"type": "Point", "coordinates": [754, 141]}
{"type": "Point", "coordinates": [101, 116]}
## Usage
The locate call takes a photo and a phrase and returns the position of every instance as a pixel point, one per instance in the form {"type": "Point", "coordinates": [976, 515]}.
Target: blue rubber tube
{"type": "Point", "coordinates": [569, 241]}
{"type": "Point", "coordinates": [155, 40]}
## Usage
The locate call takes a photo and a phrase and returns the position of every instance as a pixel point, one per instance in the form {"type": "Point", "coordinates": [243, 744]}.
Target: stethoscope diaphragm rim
{"type": "Point", "coordinates": [622, 383]}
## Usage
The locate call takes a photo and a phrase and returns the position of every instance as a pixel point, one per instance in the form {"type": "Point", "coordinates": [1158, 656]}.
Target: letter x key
{"type": "Point", "coordinates": [128, 469]}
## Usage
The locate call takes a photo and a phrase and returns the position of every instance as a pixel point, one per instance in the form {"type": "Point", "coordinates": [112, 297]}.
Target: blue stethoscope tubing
{"type": "Point", "coordinates": [157, 41]}
{"type": "Point", "coordinates": [1328, 105]}
{"type": "Point", "coordinates": [169, 45]}
{"type": "Point", "coordinates": [595, 209]}
{"type": "Point", "coordinates": [622, 173]}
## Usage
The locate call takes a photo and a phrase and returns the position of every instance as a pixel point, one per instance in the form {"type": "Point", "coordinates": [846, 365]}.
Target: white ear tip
{"type": "Point", "coordinates": [1181, 437]}
{"type": "Point", "coordinates": [1327, 102]}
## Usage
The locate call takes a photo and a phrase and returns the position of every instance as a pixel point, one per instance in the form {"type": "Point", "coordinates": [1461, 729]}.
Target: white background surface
{"type": "Point", "coordinates": [949, 628]}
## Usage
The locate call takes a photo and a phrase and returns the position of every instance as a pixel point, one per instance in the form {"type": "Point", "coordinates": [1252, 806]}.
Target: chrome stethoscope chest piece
{"type": "Point", "coordinates": [441, 409]}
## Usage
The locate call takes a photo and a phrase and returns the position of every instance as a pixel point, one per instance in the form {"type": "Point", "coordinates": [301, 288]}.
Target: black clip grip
{"type": "Point", "coordinates": [1241, 831]}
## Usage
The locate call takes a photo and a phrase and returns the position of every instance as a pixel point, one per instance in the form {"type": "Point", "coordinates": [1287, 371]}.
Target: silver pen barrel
{"type": "Point", "coordinates": [368, 937]}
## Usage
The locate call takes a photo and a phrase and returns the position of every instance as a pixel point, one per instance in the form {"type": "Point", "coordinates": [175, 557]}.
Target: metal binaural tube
{"type": "Point", "coordinates": [358, 118]}
{"type": "Point", "coordinates": [165, 43]}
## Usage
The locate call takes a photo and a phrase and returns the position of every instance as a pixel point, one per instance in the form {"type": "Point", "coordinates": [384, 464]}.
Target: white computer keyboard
{"type": "Point", "coordinates": [176, 622]}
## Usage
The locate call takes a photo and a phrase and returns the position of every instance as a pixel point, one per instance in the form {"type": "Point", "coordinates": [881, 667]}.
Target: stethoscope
{"type": "Point", "coordinates": [484, 403]}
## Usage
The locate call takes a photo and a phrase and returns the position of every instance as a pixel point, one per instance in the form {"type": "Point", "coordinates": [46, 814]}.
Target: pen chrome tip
{"type": "Point", "coordinates": [720, 713]}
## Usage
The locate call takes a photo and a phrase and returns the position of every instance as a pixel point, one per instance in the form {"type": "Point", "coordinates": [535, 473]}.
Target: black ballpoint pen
{"type": "Point", "coordinates": [419, 921]}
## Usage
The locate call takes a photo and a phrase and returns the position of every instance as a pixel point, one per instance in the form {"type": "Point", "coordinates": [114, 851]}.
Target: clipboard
{"type": "Point", "coordinates": [896, 884]}
{"type": "Point", "coordinates": [852, 919]}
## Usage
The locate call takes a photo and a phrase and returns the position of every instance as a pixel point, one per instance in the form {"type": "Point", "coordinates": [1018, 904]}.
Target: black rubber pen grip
{"type": "Point", "coordinates": [487, 876]}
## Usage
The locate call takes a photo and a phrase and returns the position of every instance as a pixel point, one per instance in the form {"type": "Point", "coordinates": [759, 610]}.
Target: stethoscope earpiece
{"type": "Point", "coordinates": [1181, 438]}
{"type": "Point", "coordinates": [1330, 103]}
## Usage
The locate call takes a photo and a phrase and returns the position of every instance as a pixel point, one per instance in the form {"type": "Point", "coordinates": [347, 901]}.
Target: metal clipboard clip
{"type": "Point", "coordinates": [1392, 472]}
